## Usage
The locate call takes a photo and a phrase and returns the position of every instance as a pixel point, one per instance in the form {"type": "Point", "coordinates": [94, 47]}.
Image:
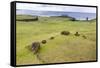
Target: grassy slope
{"type": "Point", "coordinates": [62, 48]}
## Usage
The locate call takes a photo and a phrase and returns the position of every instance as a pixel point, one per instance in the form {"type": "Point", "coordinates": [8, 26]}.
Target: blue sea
{"type": "Point", "coordinates": [77, 15]}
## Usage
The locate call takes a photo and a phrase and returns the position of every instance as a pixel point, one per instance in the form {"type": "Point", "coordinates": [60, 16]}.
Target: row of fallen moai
{"type": "Point", "coordinates": [76, 34]}
{"type": "Point", "coordinates": [35, 46]}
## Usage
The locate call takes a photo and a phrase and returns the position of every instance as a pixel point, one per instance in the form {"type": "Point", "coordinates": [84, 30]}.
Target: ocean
{"type": "Point", "coordinates": [76, 15]}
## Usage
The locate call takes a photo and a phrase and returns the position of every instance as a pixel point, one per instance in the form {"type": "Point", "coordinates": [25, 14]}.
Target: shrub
{"type": "Point", "coordinates": [73, 19]}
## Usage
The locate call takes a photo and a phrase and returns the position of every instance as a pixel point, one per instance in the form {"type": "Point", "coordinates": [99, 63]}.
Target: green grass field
{"type": "Point", "coordinates": [62, 48]}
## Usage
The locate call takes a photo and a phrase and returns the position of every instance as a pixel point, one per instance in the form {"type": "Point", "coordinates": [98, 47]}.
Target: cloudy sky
{"type": "Point", "coordinates": [44, 7]}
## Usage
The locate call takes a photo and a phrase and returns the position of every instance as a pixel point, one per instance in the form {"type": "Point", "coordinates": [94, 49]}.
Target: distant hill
{"type": "Point", "coordinates": [31, 18]}
{"type": "Point", "coordinates": [26, 18]}
{"type": "Point", "coordinates": [76, 15]}
{"type": "Point", "coordinates": [47, 18]}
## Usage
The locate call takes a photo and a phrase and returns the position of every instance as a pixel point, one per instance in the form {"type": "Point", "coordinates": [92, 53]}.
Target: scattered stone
{"type": "Point", "coordinates": [44, 41]}
{"type": "Point", "coordinates": [35, 47]}
{"type": "Point", "coordinates": [65, 33]}
{"type": "Point", "coordinates": [77, 34]}
{"type": "Point", "coordinates": [84, 37]}
{"type": "Point", "coordinates": [51, 38]}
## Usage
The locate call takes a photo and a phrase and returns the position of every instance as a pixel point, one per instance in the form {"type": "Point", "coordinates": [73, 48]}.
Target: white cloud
{"type": "Point", "coordinates": [44, 7]}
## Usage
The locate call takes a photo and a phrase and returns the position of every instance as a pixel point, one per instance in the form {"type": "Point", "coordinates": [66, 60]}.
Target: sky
{"type": "Point", "coordinates": [44, 7]}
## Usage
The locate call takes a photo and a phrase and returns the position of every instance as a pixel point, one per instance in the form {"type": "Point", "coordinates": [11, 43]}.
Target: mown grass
{"type": "Point", "coordinates": [62, 48]}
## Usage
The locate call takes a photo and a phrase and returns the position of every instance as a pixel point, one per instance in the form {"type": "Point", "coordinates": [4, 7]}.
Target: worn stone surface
{"type": "Point", "coordinates": [84, 37]}
{"type": "Point", "coordinates": [35, 47]}
{"type": "Point", "coordinates": [51, 38]}
{"type": "Point", "coordinates": [65, 33]}
{"type": "Point", "coordinates": [77, 34]}
{"type": "Point", "coordinates": [44, 41]}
